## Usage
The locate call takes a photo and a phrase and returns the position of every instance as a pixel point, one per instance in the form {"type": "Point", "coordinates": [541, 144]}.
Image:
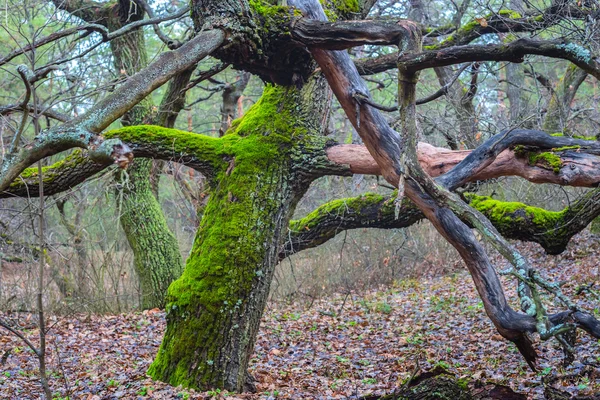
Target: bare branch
{"type": "Point", "coordinates": [513, 52]}
{"type": "Point", "coordinates": [53, 37]}
{"type": "Point", "coordinates": [171, 44]}
{"type": "Point", "coordinates": [147, 80]}
{"type": "Point", "coordinates": [23, 73]}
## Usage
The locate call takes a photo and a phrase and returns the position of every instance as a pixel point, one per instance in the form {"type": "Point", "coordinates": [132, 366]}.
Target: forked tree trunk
{"type": "Point", "coordinates": [214, 309]}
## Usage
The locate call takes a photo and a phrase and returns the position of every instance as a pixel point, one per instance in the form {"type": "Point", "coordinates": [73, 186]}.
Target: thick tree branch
{"type": "Point", "coordinates": [551, 229]}
{"type": "Point", "coordinates": [569, 165]}
{"type": "Point", "coordinates": [513, 52]}
{"type": "Point", "coordinates": [59, 140]}
{"type": "Point", "coordinates": [196, 151]}
{"type": "Point", "coordinates": [345, 34]}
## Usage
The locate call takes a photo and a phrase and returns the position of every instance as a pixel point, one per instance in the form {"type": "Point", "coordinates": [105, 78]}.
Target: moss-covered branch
{"type": "Point", "coordinates": [193, 150]}
{"type": "Point", "coordinates": [551, 229]}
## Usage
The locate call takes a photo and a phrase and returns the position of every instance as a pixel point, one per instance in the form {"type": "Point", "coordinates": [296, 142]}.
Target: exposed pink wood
{"type": "Point", "coordinates": [580, 170]}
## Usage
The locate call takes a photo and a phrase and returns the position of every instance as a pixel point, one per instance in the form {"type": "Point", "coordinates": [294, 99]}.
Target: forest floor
{"type": "Point", "coordinates": [341, 347]}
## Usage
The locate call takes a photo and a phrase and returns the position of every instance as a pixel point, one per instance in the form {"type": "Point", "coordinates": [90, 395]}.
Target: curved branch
{"type": "Point", "coordinates": [107, 37]}
{"type": "Point", "coordinates": [171, 44]}
{"type": "Point", "coordinates": [196, 151]}
{"type": "Point", "coordinates": [23, 73]}
{"type": "Point", "coordinates": [58, 140]}
{"type": "Point", "coordinates": [345, 34]}
{"type": "Point", "coordinates": [138, 86]}
{"type": "Point", "coordinates": [152, 21]}
{"type": "Point", "coordinates": [571, 165]}
{"type": "Point", "coordinates": [11, 108]}
{"type": "Point", "coordinates": [486, 154]}
{"type": "Point", "coordinates": [53, 37]}
{"type": "Point", "coordinates": [441, 207]}
{"type": "Point", "coordinates": [82, 132]}
{"type": "Point", "coordinates": [551, 229]}
{"type": "Point", "coordinates": [513, 52]}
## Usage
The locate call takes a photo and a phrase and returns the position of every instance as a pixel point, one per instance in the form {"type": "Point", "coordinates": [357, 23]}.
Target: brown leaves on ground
{"type": "Point", "coordinates": [340, 348]}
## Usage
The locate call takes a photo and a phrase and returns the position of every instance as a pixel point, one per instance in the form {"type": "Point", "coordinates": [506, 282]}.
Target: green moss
{"type": "Point", "coordinates": [466, 32]}
{"type": "Point", "coordinates": [463, 383]}
{"type": "Point", "coordinates": [520, 151]}
{"type": "Point", "coordinates": [584, 137]}
{"type": "Point", "coordinates": [51, 172]}
{"type": "Point", "coordinates": [157, 259]}
{"type": "Point", "coordinates": [335, 9]}
{"type": "Point", "coordinates": [581, 137]}
{"type": "Point", "coordinates": [503, 214]}
{"type": "Point", "coordinates": [178, 142]}
{"type": "Point", "coordinates": [346, 6]}
{"type": "Point", "coordinates": [557, 149]}
{"type": "Point", "coordinates": [509, 14]}
{"type": "Point", "coordinates": [268, 9]}
{"type": "Point", "coordinates": [269, 116]}
{"type": "Point", "coordinates": [338, 207]}
{"type": "Point", "coordinates": [547, 159]}
{"type": "Point", "coordinates": [272, 17]}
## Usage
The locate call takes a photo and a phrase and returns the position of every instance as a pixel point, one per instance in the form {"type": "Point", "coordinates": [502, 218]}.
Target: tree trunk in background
{"type": "Point", "coordinates": [457, 93]}
{"type": "Point", "coordinates": [214, 309]}
{"type": "Point", "coordinates": [231, 96]}
{"type": "Point", "coordinates": [559, 106]}
{"type": "Point", "coordinates": [157, 259]}
{"type": "Point", "coordinates": [514, 79]}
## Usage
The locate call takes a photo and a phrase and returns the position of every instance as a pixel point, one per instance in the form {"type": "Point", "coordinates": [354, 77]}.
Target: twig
{"type": "Point", "coordinates": [23, 73]}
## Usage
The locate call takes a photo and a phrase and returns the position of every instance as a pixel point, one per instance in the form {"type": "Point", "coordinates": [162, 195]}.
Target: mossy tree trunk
{"type": "Point", "coordinates": [157, 259]}
{"type": "Point", "coordinates": [214, 308]}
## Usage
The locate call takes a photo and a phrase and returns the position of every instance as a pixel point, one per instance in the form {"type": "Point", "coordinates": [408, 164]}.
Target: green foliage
{"type": "Point", "coordinates": [335, 9]}
{"type": "Point", "coordinates": [383, 308]}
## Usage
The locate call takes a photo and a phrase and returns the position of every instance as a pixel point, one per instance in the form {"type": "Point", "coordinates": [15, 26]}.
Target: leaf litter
{"type": "Point", "coordinates": [341, 347]}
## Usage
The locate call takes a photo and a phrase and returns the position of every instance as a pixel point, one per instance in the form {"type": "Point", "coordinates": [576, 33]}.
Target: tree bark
{"type": "Point", "coordinates": [231, 95]}
{"type": "Point", "coordinates": [214, 309]}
